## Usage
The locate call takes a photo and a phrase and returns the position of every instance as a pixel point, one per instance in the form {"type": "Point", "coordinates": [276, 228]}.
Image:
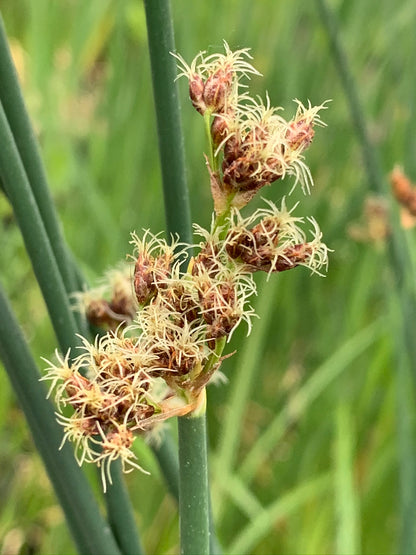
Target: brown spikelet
{"type": "Point", "coordinates": [403, 190]}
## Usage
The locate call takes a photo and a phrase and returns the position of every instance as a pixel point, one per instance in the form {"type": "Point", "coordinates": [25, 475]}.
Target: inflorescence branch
{"type": "Point", "coordinates": [167, 328]}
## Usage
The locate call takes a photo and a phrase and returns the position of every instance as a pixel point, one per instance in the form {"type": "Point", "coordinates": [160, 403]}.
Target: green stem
{"type": "Point", "coordinates": [121, 514]}
{"type": "Point", "coordinates": [193, 486]}
{"type": "Point", "coordinates": [16, 184]}
{"type": "Point", "coordinates": [215, 355]}
{"type": "Point", "coordinates": [171, 144]}
{"type": "Point", "coordinates": [167, 457]}
{"type": "Point", "coordinates": [90, 532]}
{"type": "Point", "coordinates": [193, 466]}
{"type": "Point", "coordinates": [17, 116]}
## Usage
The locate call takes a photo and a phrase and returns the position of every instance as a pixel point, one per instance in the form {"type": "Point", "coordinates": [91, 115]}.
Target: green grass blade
{"type": "Point", "coordinates": [314, 387]}
{"type": "Point", "coordinates": [238, 492]}
{"type": "Point", "coordinates": [91, 533]}
{"type": "Point", "coordinates": [406, 445]}
{"type": "Point", "coordinates": [17, 116]}
{"type": "Point", "coordinates": [398, 253]}
{"type": "Point", "coordinates": [18, 189]}
{"type": "Point", "coordinates": [346, 498]}
{"type": "Point", "coordinates": [281, 509]}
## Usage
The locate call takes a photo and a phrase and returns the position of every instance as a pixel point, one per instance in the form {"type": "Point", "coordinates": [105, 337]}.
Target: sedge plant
{"type": "Point", "coordinates": [170, 314]}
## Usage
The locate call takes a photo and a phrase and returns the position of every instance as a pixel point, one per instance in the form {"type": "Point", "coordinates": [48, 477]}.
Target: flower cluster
{"type": "Point", "coordinates": [252, 144]}
{"type": "Point", "coordinates": [170, 314]}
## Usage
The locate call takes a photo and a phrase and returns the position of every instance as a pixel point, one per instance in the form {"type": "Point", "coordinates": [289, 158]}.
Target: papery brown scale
{"type": "Point", "coordinates": [266, 232]}
{"type": "Point", "coordinates": [299, 134]}
{"type": "Point", "coordinates": [232, 150]}
{"type": "Point", "coordinates": [293, 256]}
{"type": "Point", "coordinates": [77, 383]}
{"type": "Point", "coordinates": [89, 426]}
{"type": "Point", "coordinates": [182, 301]}
{"type": "Point", "coordinates": [238, 242]}
{"type": "Point", "coordinates": [206, 261]}
{"type": "Point", "coordinates": [143, 412]}
{"type": "Point", "coordinates": [219, 130]}
{"type": "Point", "coordinates": [144, 285]}
{"type": "Point", "coordinates": [218, 88]}
{"type": "Point", "coordinates": [119, 438]}
{"type": "Point", "coordinates": [123, 307]}
{"type": "Point", "coordinates": [97, 313]}
{"type": "Point", "coordinates": [218, 312]}
{"type": "Point", "coordinates": [222, 326]}
{"type": "Point", "coordinates": [196, 90]}
{"type": "Point", "coordinates": [402, 188]}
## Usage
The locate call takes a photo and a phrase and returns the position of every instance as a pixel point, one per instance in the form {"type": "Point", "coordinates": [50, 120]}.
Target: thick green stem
{"type": "Point", "coordinates": [193, 486]}
{"type": "Point", "coordinates": [90, 532]}
{"type": "Point", "coordinates": [167, 457]}
{"type": "Point", "coordinates": [16, 184]}
{"type": "Point", "coordinates": [193, 489]}
{"type": "Point", "coordinates": [121, 514]}
{"type": "Point", "coordinates": [171, 144]}
{"type": "Point", "coordinates": [18, 119]}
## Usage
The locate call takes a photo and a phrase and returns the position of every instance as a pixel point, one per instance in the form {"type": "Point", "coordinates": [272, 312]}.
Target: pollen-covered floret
{"type": "Point", "coordinates": [260, 147]}
{"type": "Point", "coordinates": [214, 79]}
{"type": "Point", "coordinates": [155, 259]}
{"type": "Point", "coordinates": [275, 242]}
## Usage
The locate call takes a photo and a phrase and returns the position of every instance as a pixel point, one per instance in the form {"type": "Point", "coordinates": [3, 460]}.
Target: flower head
{"type": "Point", "coordinates": [167, 327]}
{"type": "Point", "coordinates": [214, 79]}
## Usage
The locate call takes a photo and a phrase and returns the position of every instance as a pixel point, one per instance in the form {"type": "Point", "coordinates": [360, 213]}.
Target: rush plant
{"type": "Point", "coordinates": [166, 318]}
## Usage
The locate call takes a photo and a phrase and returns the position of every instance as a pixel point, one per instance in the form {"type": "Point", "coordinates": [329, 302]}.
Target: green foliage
{"type": "Point", "coordinates": [312, 439]}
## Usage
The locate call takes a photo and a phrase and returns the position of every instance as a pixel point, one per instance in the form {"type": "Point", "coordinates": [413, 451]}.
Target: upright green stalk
{"type": "Point", "coordinates": [171, 144]}
{"type": "Point", "coordinates": [18, 119]}
{"type": "Point", "coordinates": [90, 532]}
{"type": "Point", "coordinates": [121, 514]}
{"type": "Point", "coordinates": [193, 467]}
{"type": "Point", "coordinates": [193, 486]}
{"type": "Point", "coordinates": [17, 187]}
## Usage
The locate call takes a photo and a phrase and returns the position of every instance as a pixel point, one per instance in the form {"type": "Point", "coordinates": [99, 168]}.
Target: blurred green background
{"type": "Point", "coordinates": [312, 438]}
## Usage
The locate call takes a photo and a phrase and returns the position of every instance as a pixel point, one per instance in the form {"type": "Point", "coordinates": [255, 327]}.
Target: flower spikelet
{"type": "Point", "coordinates": [214, 79]}
{"type": "Point", "coordinates": [275, 243]}
{"type": "Point", "coordinates": [112, 302]}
